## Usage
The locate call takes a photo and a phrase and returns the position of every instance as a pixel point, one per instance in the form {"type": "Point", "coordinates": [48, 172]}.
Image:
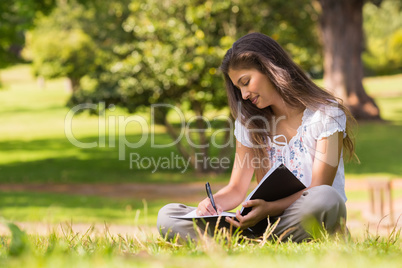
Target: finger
{"type": "Point", "coordinates": [199, 211]}
{"type": "Point", "coordinates": [202, 210]}
{"type": "Point", "coordinates": [210, 210]}
{"type": "Point", "coordinates": [220, 210]}
{"type": "Point", "coordinates": [239, 217]}
{"type": "Point", "coordinates": [250, 203]}
{"type": "Point", "coordinates": [244, 221]}
{"type": "Point", "coordinates": [231, 221]}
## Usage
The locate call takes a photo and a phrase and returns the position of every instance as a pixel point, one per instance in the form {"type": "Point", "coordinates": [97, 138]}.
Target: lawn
{"type": "Point", "coordinates": [34, 149]}
{"type": "Point", "coordinates": [55, 208]}
{"type": "Point", "coordinates": [71, 249]}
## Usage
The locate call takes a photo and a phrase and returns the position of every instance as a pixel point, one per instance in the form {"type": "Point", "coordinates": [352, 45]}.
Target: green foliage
{"type": "Point", "coordinates": [61, 53]}
{"type": "Point", "coordinates": [16, 17]}
{"type": "Point", "coordinates": [176, 48]}
{"type": "Point", "coordinates": [382, 27]}
{"type": "Point", "coordinates": [19, 240]}
{"type": "Point", "coordinates": [395, 47]}
{"type": "Point", "coordinates": [59, 47]}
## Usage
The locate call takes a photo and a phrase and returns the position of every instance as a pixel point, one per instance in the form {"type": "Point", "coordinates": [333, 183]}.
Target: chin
{"type": "Point", "coordinates": [261, 106]}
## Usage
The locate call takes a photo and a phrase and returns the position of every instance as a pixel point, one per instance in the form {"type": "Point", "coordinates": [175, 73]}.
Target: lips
{"type": "Point", "coordinates": [254, 100]}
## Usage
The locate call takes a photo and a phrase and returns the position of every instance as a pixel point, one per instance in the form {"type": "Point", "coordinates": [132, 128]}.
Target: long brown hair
{"type": "Point", "coordinates": [258, 51]}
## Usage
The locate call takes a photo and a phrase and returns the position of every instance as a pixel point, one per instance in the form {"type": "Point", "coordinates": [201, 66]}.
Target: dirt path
{"type": "Point", "coordinates": [175, 192]}
{"type": "Point", "coordinates": [180, 191]}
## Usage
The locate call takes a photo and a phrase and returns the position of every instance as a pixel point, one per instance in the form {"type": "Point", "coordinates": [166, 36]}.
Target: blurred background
{"type": "Point", "coordinates": [120, 57]}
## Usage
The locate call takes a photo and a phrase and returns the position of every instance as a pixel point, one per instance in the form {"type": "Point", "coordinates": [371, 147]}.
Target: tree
{"type": "Point", "coordinates": [60, 53]}
{"type": "Point", "coordinates": [176, 48]}
{"type": "Point", "coordinates": [15, 18]}
{"type": "Point", "coordinates": [342, 34]}
{"type": "Point", "coordinates": [75, 40]}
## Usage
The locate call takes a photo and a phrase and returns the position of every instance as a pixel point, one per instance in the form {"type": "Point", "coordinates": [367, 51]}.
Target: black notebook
{"type": "Point", "coordinates": [278, 183]}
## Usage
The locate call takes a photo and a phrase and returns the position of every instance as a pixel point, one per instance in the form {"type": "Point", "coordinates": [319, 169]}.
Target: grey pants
{"type": "Point", "coordinates": [318, 207]}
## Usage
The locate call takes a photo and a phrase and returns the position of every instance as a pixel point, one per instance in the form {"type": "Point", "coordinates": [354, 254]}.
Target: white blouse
{"type": "Point", "coordinates": [300, 152]}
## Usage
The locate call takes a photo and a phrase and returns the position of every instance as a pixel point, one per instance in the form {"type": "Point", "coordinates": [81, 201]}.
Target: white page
{"type": "Point", "coordinates": [193, 215]}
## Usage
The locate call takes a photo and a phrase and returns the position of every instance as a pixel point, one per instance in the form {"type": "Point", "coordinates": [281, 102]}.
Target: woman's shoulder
{"type": "Point", "coordinates": [324, 112]}
{"type": "Point", "coordinates": [325, 120]}
{"type": "Point", "coordinates": [242, 134]}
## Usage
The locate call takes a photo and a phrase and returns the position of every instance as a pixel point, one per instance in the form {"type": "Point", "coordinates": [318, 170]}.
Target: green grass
{"type": "Point", "coordinates": [34, 147]}
{"type": "Point", "coordinates": [383, 85]}
{"type": "Point", "coordinates": [55, 208]}
{"type": "Point", "coordinates": [378, 148]}
{"type": "Point", "coordinates": [363, 195]}
{"type": "Point", "coordinates": [72, 249]}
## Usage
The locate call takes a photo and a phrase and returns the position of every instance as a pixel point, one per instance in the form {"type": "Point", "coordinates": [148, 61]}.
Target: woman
{"type": "Point", "coordinates": [281, 116]}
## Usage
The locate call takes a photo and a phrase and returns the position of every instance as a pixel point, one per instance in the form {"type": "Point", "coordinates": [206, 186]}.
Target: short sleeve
{"type": "Point", "coordinates": [327, 121]}
{"type": "Point", "coordinates": [242, 135]}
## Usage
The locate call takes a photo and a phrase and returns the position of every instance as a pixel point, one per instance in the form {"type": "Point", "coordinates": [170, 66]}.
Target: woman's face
{"type": "Point", "coordinates": [254, 86]}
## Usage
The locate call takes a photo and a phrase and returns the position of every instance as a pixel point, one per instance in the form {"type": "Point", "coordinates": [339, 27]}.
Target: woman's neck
{"type": "Point", "coordinates": [286, 110]}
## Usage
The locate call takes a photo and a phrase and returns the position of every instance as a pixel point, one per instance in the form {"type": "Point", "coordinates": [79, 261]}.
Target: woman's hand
{"type": "Point", "coordinates": [205, 208]}
{"type": "Point", "coordinates": [260, 209]}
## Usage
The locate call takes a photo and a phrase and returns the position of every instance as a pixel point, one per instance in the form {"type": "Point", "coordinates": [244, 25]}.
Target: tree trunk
{"type": "Point", "coordinates": [202, 166]}
{"type": "Point", "coordinates": [182, 150]}
{"type": "Point", "coordinates": [341, 24]}
{"type": "Point", "coordinates": [226, 151]}
{"type": "Point", "coordinates": [199, 157]}
{"type": "Point", "coordinates": [72, 84]}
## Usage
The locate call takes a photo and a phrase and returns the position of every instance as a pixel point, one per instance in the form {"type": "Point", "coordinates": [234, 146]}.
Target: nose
{"type": "Point", "coordinates": [245, 94]}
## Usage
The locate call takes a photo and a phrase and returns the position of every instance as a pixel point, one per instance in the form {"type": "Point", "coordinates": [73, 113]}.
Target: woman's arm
{"type": "Point", "coordinates": [234, 193]}
{"type": "Point", "coordinates": [328, 152]}
{"type": "Point", "coordinates": [327, 156]}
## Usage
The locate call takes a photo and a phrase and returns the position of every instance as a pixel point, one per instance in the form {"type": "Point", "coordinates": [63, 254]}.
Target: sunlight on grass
{"type": "Point", "coordinates": [384, 85]}
{"type": "Point", "coordinates": [56, 208]}
{"type": "Point", "coordinates": [391, 108]}
{"type": "Point", "coordinates": [71, 249]}
{"type": "Point", "coordinates": [30, 112]}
